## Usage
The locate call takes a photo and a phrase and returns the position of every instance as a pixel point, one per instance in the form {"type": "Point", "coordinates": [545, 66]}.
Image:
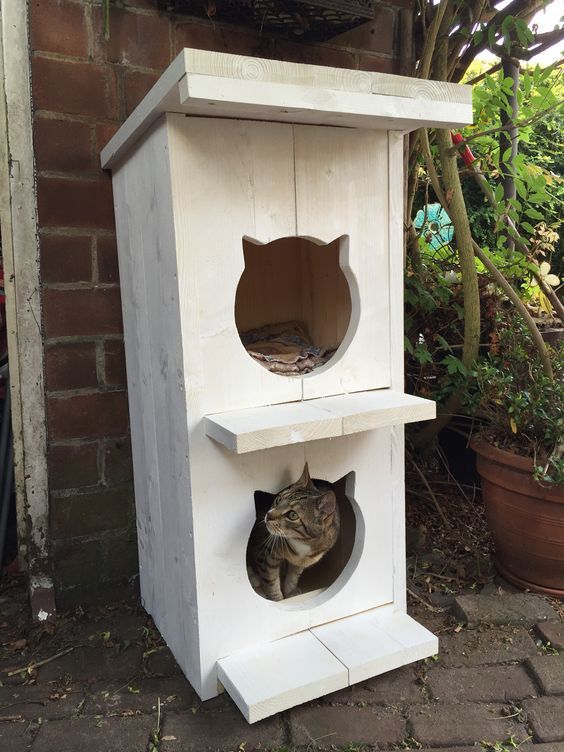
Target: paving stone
{"type": "Point", "coordinates": [553, 633]}
{"type": "Point", "coordinates": [459, 724]}
{"type": "Point", "coordinates": [218, 730]}
{"type": "Point", "coordinates": [15, 737]}
{"type": "Point", "coordinates": [95, 735]}
{"type": "Point", "coordinates": [512, 608]}
{"type": "Point", "coordinates": [546, 716]}
{"type": "Point", "coordinates": [94, 663]}
{"type": "Point", "coordinates": [484, 646]}
{"type": "Point", "coordinates": [393, 688]}
{"type": "Point", "coordinates": [324, 727]}
{"type": "Point", "coordinates": [141, 695]}
{"type": "Point", "coordinates": [454, 749]}
{"type": "Point", "coordinates": [33, 701]}
{"type": "Point", "coordinates": [548, 670]}
{"type": "Point", "coordinates": [548, 747]}
{"type": "Point", "coordinates": [117, 628]}
{"type": "Point", "coordinates": [161, 663]}
{"type": "Point", "coordinates": [480, 684]}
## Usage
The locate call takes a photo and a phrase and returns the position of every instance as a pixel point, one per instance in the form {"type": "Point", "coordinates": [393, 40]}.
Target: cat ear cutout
{"type": "Point", "coordinates": [297, 304]}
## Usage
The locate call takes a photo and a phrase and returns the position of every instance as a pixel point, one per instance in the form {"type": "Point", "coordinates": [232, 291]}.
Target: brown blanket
{"type": "Point", "coordinates": [285, 348]}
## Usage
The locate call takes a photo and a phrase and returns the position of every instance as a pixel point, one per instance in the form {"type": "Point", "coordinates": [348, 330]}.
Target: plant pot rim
{"type": "Point", "coordinates": [507, 457]}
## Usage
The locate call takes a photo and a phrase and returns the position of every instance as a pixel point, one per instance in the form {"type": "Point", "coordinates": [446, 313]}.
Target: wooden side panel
{"type": "Point", "coordinates": [231, 179]}
{"type": "Point", "coordinates": [341, 190]}
{"type": "Point", "coordinates": [154, 352]}
{"type": "Point", "coordinates": [396, 284]}
{"type": "Point", "coordinates": [275, 676]}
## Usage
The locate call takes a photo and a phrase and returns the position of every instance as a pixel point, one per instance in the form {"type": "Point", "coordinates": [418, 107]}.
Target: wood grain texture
{"type": "Point", "coordinates": [270, 678]}
{"type": "Point", "coordinates": [257, 428]}
{"type": "Point", "coordinates": [204, 83]}
{"type": "Point", "coordinates": [374, 642]}
{"type": "Point", "coordinates": [396, 283]}
{"type": "Point", "coordinates": [339, 174]}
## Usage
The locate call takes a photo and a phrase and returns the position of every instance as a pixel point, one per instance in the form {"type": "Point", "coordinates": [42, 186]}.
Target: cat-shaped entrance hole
{"type": "Point", "coordinates": [321, 580]}
{"type": "Point", "coordinates": [296, 306]}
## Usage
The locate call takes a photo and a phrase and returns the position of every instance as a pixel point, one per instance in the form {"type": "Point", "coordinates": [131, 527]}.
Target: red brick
{"type": "Point", "coordinates": [75, 88]}
{"type": "Point", "coordinates": [85, 514]}
{"type": "Point", "coordinates": [315, 55]}
{"type": "Point", "coordinates": [108, 270]}
{"type": "Point", "coordinates": [135, 39]}
{"type": "Point", "coordinates": [71, 366]}
{"type": "Point", "coordinates": [85, 416]}
{"type": "Point", "coordinates": [118, 462]}
{"type": "Point", "coordinates": [374, 36]}
{"type": "Point", "coordinates": [66, 258]}
{"type": "Point", "coordinates": [82, 312]}
{"type": "Point", "coordinates": [58, 26]}
{"type": "Point", "coordinates": [75, 203]}
{"type": "Point", "coordinates": [114, 359]}
{"type": "Point", "coordinates": [137, 84]}
{"type": "Point", "coordinates": [77, 563]}
{"type": "Point", "coordinates": [378, 64]}
{"type": "Point", "coordinates": [208, 36]}
{"type": "Point", "coordinates": [73, 466]}
{"type": "Point", "coordinates": [104, 132]}
{"type": "Point", "coordinates": [63, 145]}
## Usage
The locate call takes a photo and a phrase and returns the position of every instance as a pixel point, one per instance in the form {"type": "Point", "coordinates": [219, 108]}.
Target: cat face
{"type": "Point", "coordinates": [301, 511]}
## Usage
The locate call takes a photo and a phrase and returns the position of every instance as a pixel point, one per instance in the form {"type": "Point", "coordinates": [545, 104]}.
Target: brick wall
{"type": "Point", "coordinates": [83, 88]}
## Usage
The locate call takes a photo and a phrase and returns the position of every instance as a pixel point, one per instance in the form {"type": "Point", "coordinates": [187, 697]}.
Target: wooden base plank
{"type": "Point", "coordinates": [270, 678]}
{"type": "Point", "coordinates": [256, 428]}
{"type": "Point", "coordinates": [370, 644]}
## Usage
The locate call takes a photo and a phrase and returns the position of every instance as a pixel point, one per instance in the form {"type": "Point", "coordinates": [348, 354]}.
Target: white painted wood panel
{"type": "Point", "coordinates": [243, 186]}
{"type": "Point", "coordinates": [235, 98]}
{"type": "Point", "coordinates": [327, 417]}
{"type": "Point", "coordinates": [270, 678]}
{"type": "Point", "coordinates": [210, 83]}
{"type": "Point", "coordinates": [370, 643]}
{"type": "Point", "coordinates": [154, 356]}
{"type": "Point", "coordinates": [339, 179]}
{"type": "Point", "coordinates": [396, 284]}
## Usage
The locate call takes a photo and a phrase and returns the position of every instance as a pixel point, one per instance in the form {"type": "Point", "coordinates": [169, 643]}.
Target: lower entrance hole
{"type": "Point", "coordinates": [320, 575]}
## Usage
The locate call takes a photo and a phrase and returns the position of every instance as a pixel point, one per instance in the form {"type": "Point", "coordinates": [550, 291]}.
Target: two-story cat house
{"type": "Point", "coordinates": [251, 194]}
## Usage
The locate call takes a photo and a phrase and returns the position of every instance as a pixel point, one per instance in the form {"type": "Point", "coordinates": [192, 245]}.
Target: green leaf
{"type": "Point", "coordinates": [533, 213]}
{"type": "Point", "coordinates": [454, 365]}
{"type": "Point", "coordinates": [528, 227]}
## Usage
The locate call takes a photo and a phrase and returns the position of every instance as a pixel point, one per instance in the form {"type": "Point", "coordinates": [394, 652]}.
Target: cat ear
{"type": "Point", "coordinates": [328, 503]}
{"type": "Point", "coordinates": [305, 481]}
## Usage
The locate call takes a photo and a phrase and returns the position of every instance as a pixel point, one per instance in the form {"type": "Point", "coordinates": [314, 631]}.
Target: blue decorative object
{"type": "Point", "coordinates": [433, 223]}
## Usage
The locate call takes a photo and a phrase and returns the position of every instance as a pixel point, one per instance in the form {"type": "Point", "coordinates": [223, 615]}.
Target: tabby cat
{"type": "Point", "coordinates": [301, 525]}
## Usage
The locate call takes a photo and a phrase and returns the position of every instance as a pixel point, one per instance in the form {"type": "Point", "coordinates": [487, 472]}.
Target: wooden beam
{"type": "Point", "coordinates": [199, 82]}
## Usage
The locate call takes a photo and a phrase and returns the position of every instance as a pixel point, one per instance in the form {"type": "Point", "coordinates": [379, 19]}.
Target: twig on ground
{"type": "Point", "coordinates": [433, 609]}
{"type": "Point", "coordinates": [37, 664]}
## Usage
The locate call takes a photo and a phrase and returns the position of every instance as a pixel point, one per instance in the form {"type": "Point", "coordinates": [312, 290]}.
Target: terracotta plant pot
{"type": "Point", "coordinates": [526, 520]}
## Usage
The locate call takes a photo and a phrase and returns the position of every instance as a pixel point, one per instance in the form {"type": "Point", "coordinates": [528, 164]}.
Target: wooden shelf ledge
{"type": "Point", "coordinates": [256, 428]}
{"type": "Point", "coordinates": [273, 677]}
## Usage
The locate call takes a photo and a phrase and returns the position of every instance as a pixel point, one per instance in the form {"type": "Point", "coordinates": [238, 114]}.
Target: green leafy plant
{"type": "Point", "coordinates": [516, 405]}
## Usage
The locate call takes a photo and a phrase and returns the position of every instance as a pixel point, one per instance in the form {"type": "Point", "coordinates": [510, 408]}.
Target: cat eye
{"type": "Point", "coordinates": [291, 515]}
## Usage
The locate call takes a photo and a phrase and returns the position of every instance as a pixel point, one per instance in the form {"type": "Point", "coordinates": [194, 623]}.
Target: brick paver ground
{"type": "Point", "coordinates": [108, 684]}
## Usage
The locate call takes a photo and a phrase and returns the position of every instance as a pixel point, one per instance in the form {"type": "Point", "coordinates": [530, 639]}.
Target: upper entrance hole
{"type": "Point", "coordinates": [293, 304]}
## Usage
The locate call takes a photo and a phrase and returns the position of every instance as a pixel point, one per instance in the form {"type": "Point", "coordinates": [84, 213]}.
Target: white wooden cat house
{"type": "Point", "coordinates": [255, 197]}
